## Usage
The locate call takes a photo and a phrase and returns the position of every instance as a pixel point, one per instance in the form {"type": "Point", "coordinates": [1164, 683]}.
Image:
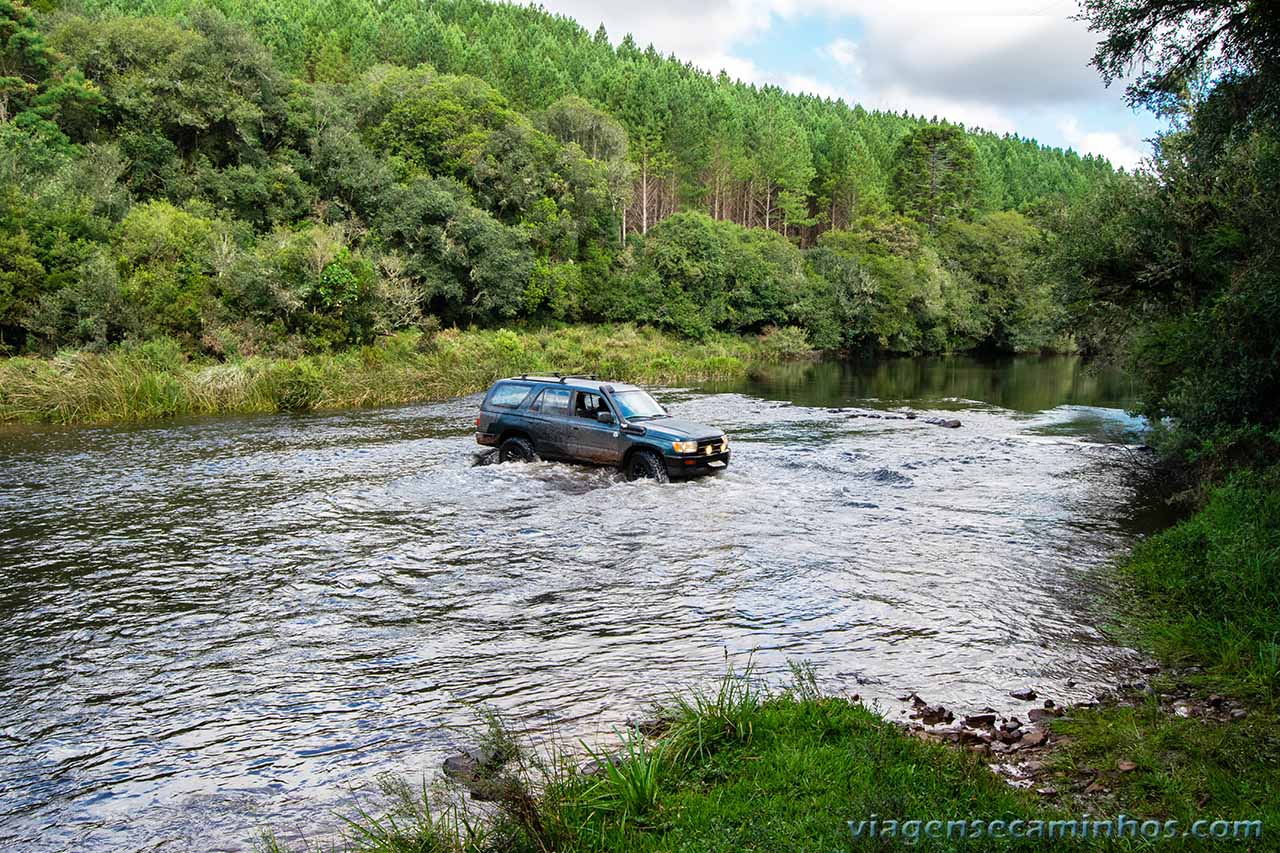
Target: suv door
{"type": "Point", "coordinates": [550, 427]}
{"type": "Point", "coordinates": [589, 439]}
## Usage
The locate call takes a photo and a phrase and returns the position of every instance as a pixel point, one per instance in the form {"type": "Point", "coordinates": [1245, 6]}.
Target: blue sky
{"type": "Point", "coordinates": [1006, 65]}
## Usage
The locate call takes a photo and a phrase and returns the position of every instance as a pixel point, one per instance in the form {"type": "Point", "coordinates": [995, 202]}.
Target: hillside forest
{"type": "Point", "coordinates": [282, 178]}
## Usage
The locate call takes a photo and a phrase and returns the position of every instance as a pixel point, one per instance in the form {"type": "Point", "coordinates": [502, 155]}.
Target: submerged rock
{"type": "Point", "coordinates": [477, 770]}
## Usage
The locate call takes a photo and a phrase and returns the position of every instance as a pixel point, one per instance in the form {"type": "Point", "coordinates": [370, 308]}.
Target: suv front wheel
{"type": "Point", "coordinates": [646, 465]}
{"type": "Point", "coordinates": [517, 449]}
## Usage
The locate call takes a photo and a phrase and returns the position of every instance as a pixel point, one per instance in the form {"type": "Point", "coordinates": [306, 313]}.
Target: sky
{"type": "Point", "coordinates": [1019, 66]}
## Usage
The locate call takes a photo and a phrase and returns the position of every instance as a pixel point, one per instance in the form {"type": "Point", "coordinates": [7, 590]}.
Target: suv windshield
{"type": "Point", "coordinates": [637, 404]}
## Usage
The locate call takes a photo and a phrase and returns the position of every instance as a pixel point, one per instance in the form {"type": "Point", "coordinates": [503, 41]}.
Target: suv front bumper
{"type": "Point", "coordinates": [695, 465]}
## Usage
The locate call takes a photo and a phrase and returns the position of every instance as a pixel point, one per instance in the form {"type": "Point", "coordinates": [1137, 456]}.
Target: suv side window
{"type": "Point", "coordinates": [588, 404]}
{"type": "Point", "coordinates": [508, 395]}
{"type": "Point", "coordinates": [552, 401]}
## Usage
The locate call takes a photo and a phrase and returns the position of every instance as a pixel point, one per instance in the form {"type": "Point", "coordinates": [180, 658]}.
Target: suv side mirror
{"type": "Point", "coordinates": [604, 417]}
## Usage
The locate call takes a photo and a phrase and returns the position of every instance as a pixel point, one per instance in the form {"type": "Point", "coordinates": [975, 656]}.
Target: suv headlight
{"type": "Point", "coordinates": [684, 446]}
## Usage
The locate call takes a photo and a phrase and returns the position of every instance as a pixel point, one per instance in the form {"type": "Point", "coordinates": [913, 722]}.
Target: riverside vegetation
{"type": "Point", "coordinates": [254, 181]}
{"type": "Point", "coordinates": [335, 182]}
{"type": "Point", "coordinates": [158, 379]}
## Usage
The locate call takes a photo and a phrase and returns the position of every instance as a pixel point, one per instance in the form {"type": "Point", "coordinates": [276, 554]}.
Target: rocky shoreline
{"type": "Point", "coordinates": [1018, 746]}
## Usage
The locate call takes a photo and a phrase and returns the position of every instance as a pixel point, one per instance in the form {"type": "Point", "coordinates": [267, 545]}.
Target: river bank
{"type": "Point", "coordinates": [745, 767]}
{"type": "Point", "coordinates": [1185, 752]}
{"type": "Point", "coordinates": [157, 379]}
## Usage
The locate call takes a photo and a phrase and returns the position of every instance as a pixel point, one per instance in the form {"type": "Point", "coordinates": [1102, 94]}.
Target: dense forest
{"type": "Point", "coordinates": [263, 178]}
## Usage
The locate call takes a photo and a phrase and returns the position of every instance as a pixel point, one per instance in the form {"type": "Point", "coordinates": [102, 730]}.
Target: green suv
{"type": "Point", "coordinates": [581, 419]}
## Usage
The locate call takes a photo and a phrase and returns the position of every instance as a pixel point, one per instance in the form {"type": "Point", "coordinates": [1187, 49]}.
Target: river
{"type": "Point", "coordinates": [219, 625]}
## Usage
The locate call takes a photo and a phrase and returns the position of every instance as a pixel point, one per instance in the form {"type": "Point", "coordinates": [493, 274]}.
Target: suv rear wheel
{"type": "Point", "coordinates": [646, 465]}
{"type": "Point", "coordinates": [517, 449]}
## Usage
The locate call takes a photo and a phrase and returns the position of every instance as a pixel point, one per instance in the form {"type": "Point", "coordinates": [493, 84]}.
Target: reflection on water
{"type": "Point", "coordinates": [1026, 384]}
{"type": "Point", "coordinates": [213, 626]}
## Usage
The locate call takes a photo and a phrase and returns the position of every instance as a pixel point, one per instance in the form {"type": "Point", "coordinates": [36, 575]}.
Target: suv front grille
{"type": "Point", "coordinates": [717, 445]}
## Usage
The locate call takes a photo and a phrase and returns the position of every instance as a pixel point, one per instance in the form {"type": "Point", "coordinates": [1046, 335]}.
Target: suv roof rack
{"type": "Point", "coordinates": [560, 377]}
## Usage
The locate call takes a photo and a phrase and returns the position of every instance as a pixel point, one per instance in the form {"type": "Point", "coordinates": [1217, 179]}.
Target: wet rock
{"type": "Point", "coordinates": [974, 721]}
{"type": "Point", "coordinates": [1026, 694]}
{"type": "Point", "coordinates": [932, 715]}
{"type": "Point", "coordinates": [1037, 715]}
{"type": "Point", "coordinates": [974, 736]}
{"type": "Point", "coordinates": [595, 766]}
{"type": "Point", "coordinates": [477, 770]}
{"type": "Point", "coordinates": [484, 457]}
{"type": "Point", "coordinates": [948, 423]}
{"type": "Point", "coordinates": [653, 727]}
{"type": "Point", "coordinates": [915, 700]}
{"type": "Point", "coordinates": [1070, 684]}
{"type": "Point", "coordinates": [1034, 737]}
{"type": "Point", "coordinates": [1048, 703]}
{"type": "Point", "coordinates": [470, 762]}
{"type": "Point", "coordinates": [1012, 724]}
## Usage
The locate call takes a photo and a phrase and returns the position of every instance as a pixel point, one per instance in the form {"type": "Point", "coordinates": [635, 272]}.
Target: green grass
{"type": "Point", "coordinates": [157, 379]}
{"type": "Point", "coordinates": [1208, 589]}
{"type": "Point", "coordinates": [809, 767]}
{"type": "Point", "coordinates": [1207, 602]}
{"type": "Point", "coordinates": [1187, 768]}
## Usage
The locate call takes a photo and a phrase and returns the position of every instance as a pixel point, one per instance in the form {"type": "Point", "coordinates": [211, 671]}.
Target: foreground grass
{"type": "Point", "coordinates": [157, 380]}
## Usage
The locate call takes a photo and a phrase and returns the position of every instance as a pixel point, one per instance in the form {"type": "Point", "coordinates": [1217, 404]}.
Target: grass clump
{"type": "Point", "coordinates": [158, 380]}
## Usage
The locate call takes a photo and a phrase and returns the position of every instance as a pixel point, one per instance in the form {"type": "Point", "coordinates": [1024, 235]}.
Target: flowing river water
{"type": "Point", "coordinates": [215, 626]}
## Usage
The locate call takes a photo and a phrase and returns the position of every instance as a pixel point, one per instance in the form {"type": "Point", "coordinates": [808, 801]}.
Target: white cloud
{"type": "Point", "coordinates": [699, 32]}
{"type": "Point", "coordinates": [841, 51]}
{"type": "Point", "coordinates": [1121, 151]}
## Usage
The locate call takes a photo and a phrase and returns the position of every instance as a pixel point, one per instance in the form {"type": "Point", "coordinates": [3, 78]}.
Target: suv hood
{"type": "Point", "coordinates": [678, 428]}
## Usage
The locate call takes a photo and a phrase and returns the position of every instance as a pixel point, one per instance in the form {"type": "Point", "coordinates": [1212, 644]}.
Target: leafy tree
{"type": "Point", "coordinates": [935, 175]}
{"type": "Point", "coordinates": [166, 266]}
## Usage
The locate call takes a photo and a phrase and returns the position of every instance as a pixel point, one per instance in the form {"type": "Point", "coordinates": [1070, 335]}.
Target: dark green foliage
{"type": "Point", "coordinates": [466, 264]}
{"type": "Point", "coordinates": [1177, 44]}
{"type": "Point", "coordinates": [695, 274]}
